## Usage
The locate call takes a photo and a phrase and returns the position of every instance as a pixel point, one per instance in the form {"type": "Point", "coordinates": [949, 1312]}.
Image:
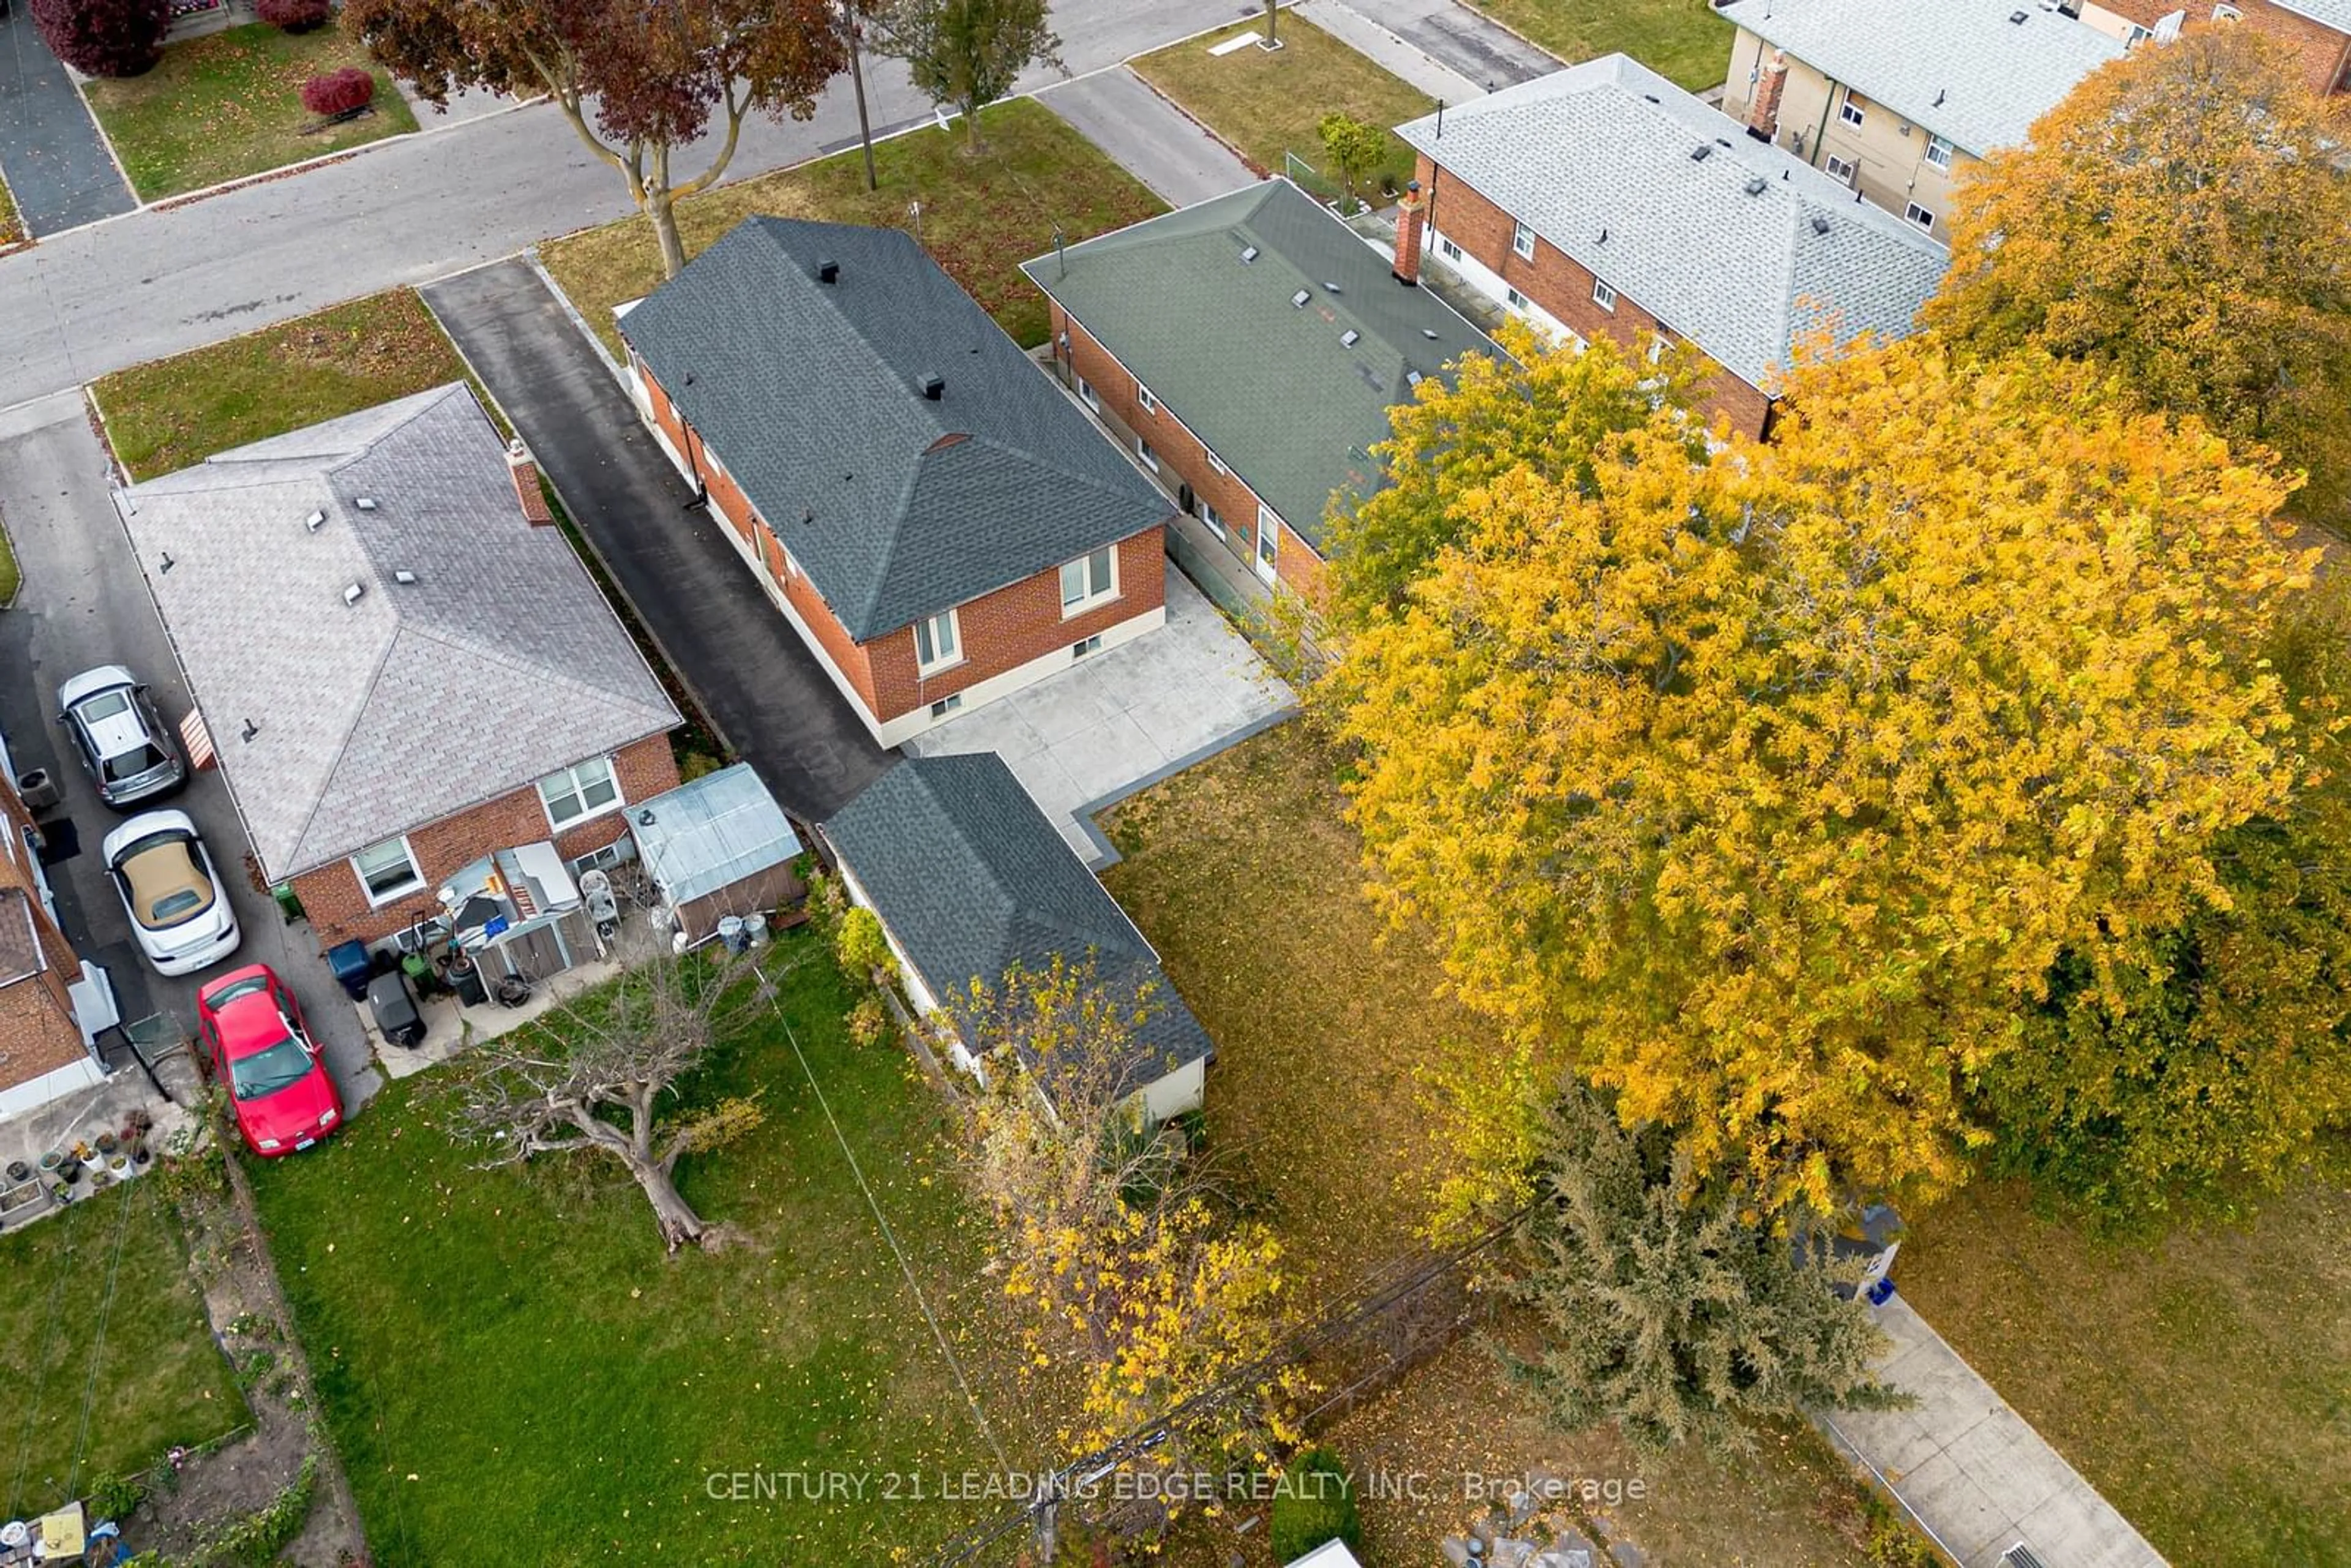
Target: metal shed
{"type": "Point", "coordinates": [717, 847]}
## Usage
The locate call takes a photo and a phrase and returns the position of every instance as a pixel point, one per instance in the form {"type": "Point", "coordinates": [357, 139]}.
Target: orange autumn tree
{"type": "Point", "coordinates": [1762, 785]}
{"type": "Point", "coordinates": [2179, 220]}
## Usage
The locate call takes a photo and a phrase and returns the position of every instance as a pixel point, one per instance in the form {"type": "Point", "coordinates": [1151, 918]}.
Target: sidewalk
{"type": "Point", "coordinates": [1972, 1470]}
{"type": "Point", "coordinates": [1472, 47]}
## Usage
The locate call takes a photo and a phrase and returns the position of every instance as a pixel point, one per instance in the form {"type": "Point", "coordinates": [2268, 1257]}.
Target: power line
{"type": "Point", "coordinates": [98, 1342]}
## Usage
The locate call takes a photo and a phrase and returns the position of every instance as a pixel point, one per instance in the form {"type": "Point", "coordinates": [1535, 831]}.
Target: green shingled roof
{"type": "Point", "coordinates": [1273, 387]}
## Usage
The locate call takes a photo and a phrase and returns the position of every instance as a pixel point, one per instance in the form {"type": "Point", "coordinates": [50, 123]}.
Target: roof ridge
{"type": "Point", "coordinates": [342, 746]}
{"type": "Point", "coordinates": [505, 660]}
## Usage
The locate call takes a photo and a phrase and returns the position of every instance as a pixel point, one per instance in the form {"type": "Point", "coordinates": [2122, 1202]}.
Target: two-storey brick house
{"type": "Point", "coordinates": [936, 519]}
{"type": "Point", "coordinates": [2317, 31]}
{"type": "Point", "coordinates": [1603, 200]}
{"type": "Point", "coordinates": [399, 665]}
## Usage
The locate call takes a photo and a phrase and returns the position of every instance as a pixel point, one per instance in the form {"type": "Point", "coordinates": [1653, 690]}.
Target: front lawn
{"type": "Point", "coordinates": [982, 215]}
{"type": "Point", "coordinates": [2202, 1384]}
{"type": "Point", "coordinates": [230, 104]}
{"type": "Point", "coordinates": [105, 1350]}
{"type": "Point", "coordinates": [1682, 40]}
{"type": "Point", "coordinates": [1272, 102]}
{"type": "Point", "coordinates": [166, 414]}
{"type": "Point", "coordinates": [514, 1371]}
{"type": "Point", "coordinates": [12, 225]}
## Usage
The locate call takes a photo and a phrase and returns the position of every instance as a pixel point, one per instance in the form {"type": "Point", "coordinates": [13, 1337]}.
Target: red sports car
{"type": "Point", "coordinates": [276, 1074]}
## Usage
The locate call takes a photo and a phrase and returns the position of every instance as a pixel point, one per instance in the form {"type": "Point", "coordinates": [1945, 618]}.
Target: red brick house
{"type": "Point", "coordinates": [2318, 31]}
{"type": "Point", "coordinates": [52, 1005]}
{"type": "Point", "coordinates": [1247, 350]}
{"type": "Point", "coordinates": [399, 663]}
{"type": "Point", "coordinates": [1604, 201]}
{"type": "Point", "coordinates": [938, 522]}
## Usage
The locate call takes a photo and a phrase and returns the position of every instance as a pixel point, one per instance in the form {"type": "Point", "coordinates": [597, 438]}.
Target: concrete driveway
{"type": "Point", "coordinates": [1159, 144]}
{"type": "Point", "coordinates": [57, 164]}
{"type": "Point", "coordinates": [84, 603]}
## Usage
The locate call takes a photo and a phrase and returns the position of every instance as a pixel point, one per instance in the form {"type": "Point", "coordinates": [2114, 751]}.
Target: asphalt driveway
{"type": "Point", "coordinates": [83, 603]}
{"type": "Point", "coordinates": [55, 162]}
{"type": "Point", "coordinates": [748, 671]}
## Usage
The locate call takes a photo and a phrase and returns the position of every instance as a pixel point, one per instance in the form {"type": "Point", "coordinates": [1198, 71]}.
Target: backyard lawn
{"type": "Point", "coordinates": [115, 1371]}
{"type": "Point", "coordinates": [982, 215]}
{"type": "Point", "coordinates": [1270, 102]}
{"type": "Point", "coordinates": [12, 225]}
{"type": "Point", "coordinates": [166, 414]}
{"type": "Point", "coordinates": [1682, 40]}
{"type": "Point", "coordinates": [515, 1372]}
{"type": "Point", "coordinates": [230, 104]}
{"type": "Point", "coordinates": [2202, 1384]}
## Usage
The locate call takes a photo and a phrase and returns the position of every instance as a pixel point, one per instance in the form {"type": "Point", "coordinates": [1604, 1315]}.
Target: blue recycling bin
{"type": "Point", "coordinates": [352, 967]}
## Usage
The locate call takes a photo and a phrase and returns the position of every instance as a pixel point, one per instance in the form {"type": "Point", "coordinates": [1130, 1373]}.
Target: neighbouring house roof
{"type": "Point", "coordinates": [897, 506]}
{"type": "Point", "coordinates": [1270, 387]}
{"type": "Point", "coordinates": [1964, 69]}
{"type": "Point", "coordinates": [2333, 15]}
{"type": "Point", "coordinates": [1746, 251]}
{"type": "Point", "coordinates": [498, 665]}
{"type": "Point", "coordinates": [710, 834]}
{"type": "Point", "coordinates": [971, 878]}
{"type": "Point", "coordinates": [20, 941]}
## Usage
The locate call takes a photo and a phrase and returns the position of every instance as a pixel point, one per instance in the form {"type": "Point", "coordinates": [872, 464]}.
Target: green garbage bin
{"type": "Point", "coordinates": [289, 903]}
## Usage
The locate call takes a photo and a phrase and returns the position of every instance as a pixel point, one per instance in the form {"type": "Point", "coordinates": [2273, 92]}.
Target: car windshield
{"type": "Point", "coordinates": [131, 764]}
{"type": "Point", "coordinates": [167, 884]}
{"type": "Point", "coordinates": [264, 1072]}
{"type": "Point", "coordinates": [227, 994]}
{"type": "Point", "coordinates": [106, 705]}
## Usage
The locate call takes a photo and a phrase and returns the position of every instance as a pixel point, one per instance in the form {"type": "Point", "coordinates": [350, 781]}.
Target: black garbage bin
{"type": "Point", "coordinates": [351, 966]}
{"type": "Point", "coordinates": [465, 979]}
{"type": "Point", "coordinates": [394, 1006]}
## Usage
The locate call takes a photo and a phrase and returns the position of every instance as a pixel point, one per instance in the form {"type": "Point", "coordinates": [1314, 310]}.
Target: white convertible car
{"type": "Point", "coordinates": [172, 892]}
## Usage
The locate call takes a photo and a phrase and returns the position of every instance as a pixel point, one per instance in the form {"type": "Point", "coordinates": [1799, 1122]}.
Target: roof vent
{"type": "Point", "coordinates": [314, 522]}
{"type": "Point", "coordinates": [352, 594]}
{"type": "Point", "coordinates": [1939, 98]}
{"type": "Point", "coordinates": [1650, 96]}
{"type": "Point", "coordinates": [365, 503]}
{"type": "Point", "coordinates": [1299, 298]}
{"type": "Point", "coordinates": [1333, 288]}
{"type": "Point", "coordinates": [406, 578]}
{"type": "Point", "coordinates": [1350, 338]}
{"type": "Point", "coordinates": [1820, 224]}
{"type": "Point", "coordinates": [1756, 185]}
{"type": "Point", "coordinates": [1249, 253]}
{"type": "Point", "coordinates": [249, 731]}
{"type": "Point", "coordinates": [1428, 333]}
{"type": "Point", "coordinates": [1702, 152]}
{"type": "Point", "coordinates": [2018, 16]}
{"type": "Point", "coordinates": [828, 271]}
{"type": "Point", "coordinates": [1722, 141]}
{"type": "Point", "coordinates": [935, 387]}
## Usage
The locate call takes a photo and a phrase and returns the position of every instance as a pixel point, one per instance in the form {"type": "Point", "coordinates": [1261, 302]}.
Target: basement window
{"type": "Point", "coordinates": [1090, 645]}
{"type": "Point", "coordinates": [1919, 216]}
{"type": "Point", "coordinates": [1087, 395]}
{"type": "Point", "coordinates": [945, 706]}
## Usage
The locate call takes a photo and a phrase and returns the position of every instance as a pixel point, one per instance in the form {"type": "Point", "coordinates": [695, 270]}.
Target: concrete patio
{"type": "Point", "coordinates": [450, 1029]}
{"type": "Point", "coordinates": [1111, 725]}
{"type": "Point", "coordinates": [73, 1121]}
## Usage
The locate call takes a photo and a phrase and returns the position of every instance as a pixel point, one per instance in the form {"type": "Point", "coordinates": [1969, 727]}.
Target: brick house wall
{"type": "Point", "coordinates": [337, 902]}
{"type": "Point", "coordinates": [1183, 456]}
{"type": "Point", "coordinates": [2325, 54]}
{"type": "Point", "coordinates": [38, 1031]}
{"type": "Point", "coordinates": [1563, 288]}
{"type": "Point", "coordinates": [997, 632]}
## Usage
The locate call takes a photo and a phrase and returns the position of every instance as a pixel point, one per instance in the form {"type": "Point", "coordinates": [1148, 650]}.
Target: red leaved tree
{"type": "Point", "coordinates": [295, 16]}
{"type": "Point", "coordinates": [105, 37]}
{"type": "Point", "coordinates": [660, 72]}
{"type": "Point", "coordinates": [346, 91]}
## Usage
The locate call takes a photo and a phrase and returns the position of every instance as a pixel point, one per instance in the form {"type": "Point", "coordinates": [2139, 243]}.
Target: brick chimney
{"type": "Point", "coordinates": [1406, 270]}
{"type": "Point", "coordinates": [1763, 114]}
{"type": "Point", "coordinates": [534, 510]}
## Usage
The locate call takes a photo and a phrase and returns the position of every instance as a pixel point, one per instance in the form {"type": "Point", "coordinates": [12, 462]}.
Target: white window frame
{"type": "Point", "coordinates": [1267, 554]}
{"type": "Point", "coordinates": [925, 630]}
{"type": "Point", "coordinates": [1851, 113]}
{"type": "Point", "coordinates": [1142, 452]}
{"type": "Point", "coordinates": [1921, 217]}
{"type": "Point", "coordinates": [1603, 296]}
{"type": "Point", "coordinates": [1088, 396]}
{"type": "Point", "coordinates": [1092, 592]}
{"type": "Point", "coordinates": [579, 788]}
{"type": "Point", "coordinates": [394, 895]}
{"type": "Point", "coordinates": [1939, 153]}
{"type": "Point", "coordinates": [1084, 646]}
{"type": "Point", "coordinates": [1514, 299]}
{"type": "Point", "coordinates": [1523, 241]}
{"type": "Point", "coordinates": [1839, 168]}
{"type": "Point", "coordinates": [1208, 515]}
{"type": "Point", "coordinates": [1144, 401]}
{"type": "Point", "coordinates": [952, 703]}
{"type": "Point", "coordinates": [1448, 249]}
{"type": "Point", "coordinates": [1215, 462]}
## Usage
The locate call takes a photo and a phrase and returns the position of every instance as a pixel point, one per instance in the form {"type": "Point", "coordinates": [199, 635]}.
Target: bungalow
{"type": "Point", "coordinates": [1248, 349]}
{"type": "Point", "coordinates": [400, 665]}
{"type": "Point", "coordinates": [2318, 31]}
{"type": "Point", "coordinates": [934, 520]}
{"type": "Point", "coordinates": [1603, 200]}
{"type": "Point", "coordinates": [969, 879]}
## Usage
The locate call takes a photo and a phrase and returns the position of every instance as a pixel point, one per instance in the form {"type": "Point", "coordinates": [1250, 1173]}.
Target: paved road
{"type": "Point", "coordinates": [408, 211]}
{"type": "Point", "coordinates": [1158, 144]}
{"type": "Point", "coordinates": [1460, 39]}
{"type": "Point", "coordinates": [747, 667]}
{"type": "Point", "coordinates": [84, 603]}
{"type": "Point", "coordinates": [56, 165]}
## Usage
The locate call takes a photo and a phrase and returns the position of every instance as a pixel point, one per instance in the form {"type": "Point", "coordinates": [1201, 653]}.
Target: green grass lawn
{"type": "Point", "coordinates": [514, 1371]}
{"type": "Point", "coordinates": [230, 104]}
{"type": "Point", "coordinates": [157, 1379]}
{"type": "Point", "coordinates": [12, 225]}
{"type": "Point", "coordinates": [1682, 40]}
{"type": "Point", "coordinates": [8, 575]}
{"type": "Point", "coordinates": [982, 214]}
{"type": "Point", "coordinates": [164, 415]}
{"type": "Point", "coordinates": [1270, 102]}
{"type": "Point", "coordinates": [2202, 1384]}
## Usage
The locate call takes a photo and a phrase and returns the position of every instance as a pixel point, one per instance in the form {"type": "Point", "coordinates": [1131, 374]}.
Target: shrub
{"type": "Point", "coordinates": [105, 37]}
{"type": "Point", "coordinates": [345, 91]}
{"type": "Point", "coordinates": [862, 947]}
{"type": "Point", "coordinates": [295, 16]}
{"type": "Point", "coordinates": [1316, 1504]}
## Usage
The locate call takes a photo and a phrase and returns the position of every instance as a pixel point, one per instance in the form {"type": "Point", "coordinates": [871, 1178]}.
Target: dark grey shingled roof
{"type": "Point", "coordinates": [1273, 388]}
{"type": "Point", "coordinates": [970, 877]}
{"type": "Point", "coordinates": [897, 506]}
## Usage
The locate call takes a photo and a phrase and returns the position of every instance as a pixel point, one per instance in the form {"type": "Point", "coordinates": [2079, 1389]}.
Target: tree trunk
{"type": "Point", "coordinates": [661, 211]}
{"type": "Point", "coordinates": [971, 128]}
{"type": "Point", "coordinates": [680, 1226]}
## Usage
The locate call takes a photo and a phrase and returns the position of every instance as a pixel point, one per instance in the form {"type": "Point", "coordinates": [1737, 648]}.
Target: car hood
{"type": "Point", "coordinates": [293, 1112]}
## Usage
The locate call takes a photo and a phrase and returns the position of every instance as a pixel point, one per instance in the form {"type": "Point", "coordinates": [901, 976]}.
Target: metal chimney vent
{"type": "Point", "coordinates": [935, 387]}
{"type": "Point", "coordinates": [1820, 224]}
{"type": "Point", "coordinates": [1350, 338]}
{"type": "Point", "coordinates": [406, 578]}
{"type": "Point", "coordinates": [365, 503]}
{"type": "Point", "coordinates": [1299, 298]}
{"type": "Point", "coordinates": [314, 522]}
{"type": "Point", "coordinates": [828, 271]}
{"type": "Point", "coordinates": [1702, 152]}
{"type": "Point", "coordinates": [352, 594]}
{"type": "Point", "coordinates": [1755, 186]}
{"type": "Point", "coordinates": [1249, 253]}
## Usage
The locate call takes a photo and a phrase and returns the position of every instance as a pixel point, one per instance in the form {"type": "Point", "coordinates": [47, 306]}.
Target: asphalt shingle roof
{"type": "Point", "coordinates": [500, 663]}
{"type": "Point", "coordinates": [897, 506]}
{"type": "Point", "coordinates": [970, 877]}
{"type": "Point", "coordinates": [1745, 251]}
{"type": "Point", "coordinates": [2333, 14]}
{"type": "Point", "coordinates": [1960, 68]}
{"type": "Point", "coordinates": [1270, 386]}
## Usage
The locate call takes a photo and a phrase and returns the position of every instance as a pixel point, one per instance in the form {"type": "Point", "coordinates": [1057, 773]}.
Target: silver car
{"type": "Point", "coordinates": [129, 754]}
{"type": "Point", "coordinates": [172, 892]}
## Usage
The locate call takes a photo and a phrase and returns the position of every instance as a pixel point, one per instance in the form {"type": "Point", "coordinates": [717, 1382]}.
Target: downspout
{"type": "Point", "coordinates": [1820, 132]}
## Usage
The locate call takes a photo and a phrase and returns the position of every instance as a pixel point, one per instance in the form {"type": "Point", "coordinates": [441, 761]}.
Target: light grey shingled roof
{"type": "Point", "coordinates": [2334, 14]}
{"type": "Point", "coordinates": [898, 507]}
{"type": "Point", "coordinates": [500, 663]}
{"type": "Point", "coordinates": [1745, 252]}
{"type": "Point", "coordinates": [1960, 68]}
{"type": "Point", "coordinates": [1273, 388]}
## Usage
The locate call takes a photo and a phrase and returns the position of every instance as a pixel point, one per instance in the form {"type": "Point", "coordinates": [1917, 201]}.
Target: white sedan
{"type": "Point", "coordinates": [172, 892]}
